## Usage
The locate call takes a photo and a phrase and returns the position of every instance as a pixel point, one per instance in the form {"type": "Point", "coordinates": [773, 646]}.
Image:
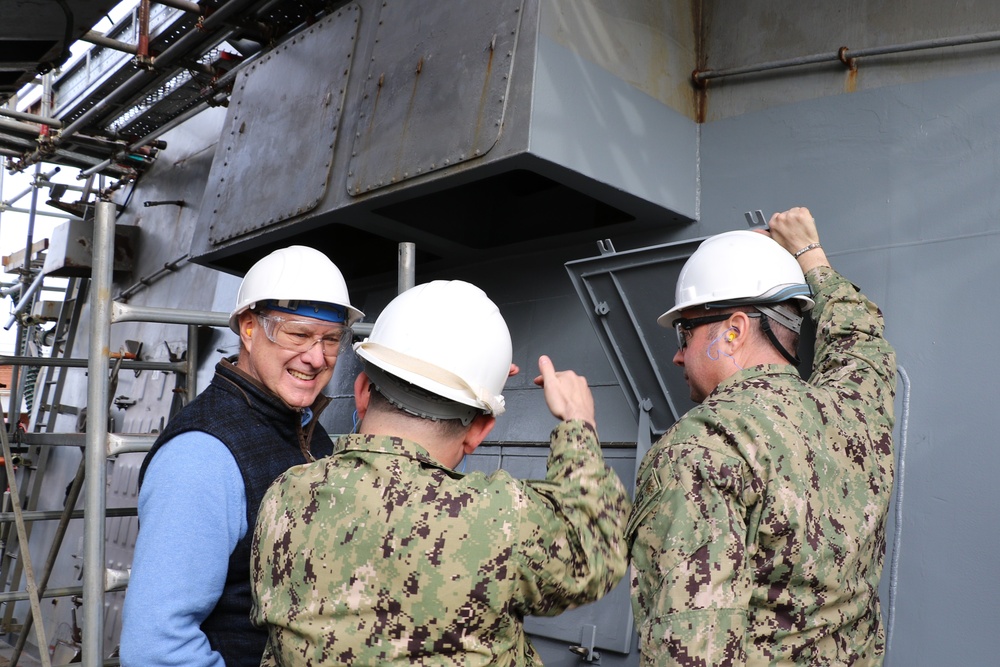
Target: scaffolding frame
{"type": "Point", "coordinates": [98, 443]}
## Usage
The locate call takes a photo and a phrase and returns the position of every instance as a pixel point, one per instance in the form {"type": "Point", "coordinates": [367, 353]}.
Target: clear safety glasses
{"type": "Point", "coordinates": [300, 336]}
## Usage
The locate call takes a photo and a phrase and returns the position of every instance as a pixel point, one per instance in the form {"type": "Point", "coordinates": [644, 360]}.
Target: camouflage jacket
{"type": "Point", "coordinates": [380, 555]}
{"type": "Point", "coordinates": [758, 530]}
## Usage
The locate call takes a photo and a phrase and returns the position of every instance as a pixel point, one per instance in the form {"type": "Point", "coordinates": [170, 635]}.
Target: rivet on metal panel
{"type": "Point", "coordinates": [602, 308]}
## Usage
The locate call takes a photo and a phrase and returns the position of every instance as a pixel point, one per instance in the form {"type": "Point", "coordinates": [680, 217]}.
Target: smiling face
{"type": "Point", "coordinates": [297, 378]}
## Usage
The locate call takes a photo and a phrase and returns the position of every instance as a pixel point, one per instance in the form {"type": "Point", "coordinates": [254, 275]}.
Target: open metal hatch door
{"type": "Point", "coordinates": [623, 294]}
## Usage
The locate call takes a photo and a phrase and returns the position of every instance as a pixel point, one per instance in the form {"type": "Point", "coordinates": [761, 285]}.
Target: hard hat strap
{"type": "Point", "coordinates": [781, 315]}
{"type": "Point", "coordinates": [494, 404]}
{"type": "Point", "coordinates": [416, 400]}
{"type": "Point", "coordinates": [765, 326]}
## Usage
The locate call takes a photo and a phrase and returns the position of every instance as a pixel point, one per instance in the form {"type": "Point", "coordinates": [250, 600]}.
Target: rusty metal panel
{"type": "Point", "coordinates": [71, 249]}
{"type": "Point", "coordinates": [274, 158]}
{"type": "Point", "coordinates": [436, 88]}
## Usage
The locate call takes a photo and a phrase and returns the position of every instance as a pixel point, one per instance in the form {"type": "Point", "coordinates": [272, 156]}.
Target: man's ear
{"type": "Point", "coordinates": [246, 324]}
{"type": "Point", "coordinates": [362, 394]}
{"type": "Point", "coordinates": [739, 324]}
{"type": "Point", "coordinates": [478, 430]}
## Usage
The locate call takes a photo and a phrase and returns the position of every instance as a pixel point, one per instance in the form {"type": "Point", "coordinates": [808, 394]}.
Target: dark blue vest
{"type": "Point", "coordinates": [266, 438]}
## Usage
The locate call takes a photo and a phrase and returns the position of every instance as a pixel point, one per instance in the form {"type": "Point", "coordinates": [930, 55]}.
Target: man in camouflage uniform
{"type": "Point", "coordinates": [384, 554]}
{"type": "Point", "coordinates": [758, 530]}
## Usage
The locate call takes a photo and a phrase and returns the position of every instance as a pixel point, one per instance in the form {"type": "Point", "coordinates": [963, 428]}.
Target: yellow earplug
{"type": "Point", "coordinates": [731, 337]}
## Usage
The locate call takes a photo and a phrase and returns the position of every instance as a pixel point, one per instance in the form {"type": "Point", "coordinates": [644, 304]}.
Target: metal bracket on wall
{"type": "Point", "coordinates": [756, 219]}
{"type": "Point", "coordinates": [643, 438]}
{"type": "Point", "coordinates": [588, 635]}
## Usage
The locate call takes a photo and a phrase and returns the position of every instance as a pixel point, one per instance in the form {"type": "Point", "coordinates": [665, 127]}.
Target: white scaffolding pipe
{"type": "Point", "coordinates": [407, 271]}
{"type": "Point", "coordinates": [123, 312]}
{"type": "Point", "coordinates": [97, 434]}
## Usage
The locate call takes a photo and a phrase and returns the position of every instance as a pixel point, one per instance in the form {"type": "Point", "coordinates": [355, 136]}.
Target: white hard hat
{"type": "Point", "coordinates": [447, 338]}
{"type": "Point", "coordinates": [292, 276]}
{"type": "Point", "coordinates": [738, 268]}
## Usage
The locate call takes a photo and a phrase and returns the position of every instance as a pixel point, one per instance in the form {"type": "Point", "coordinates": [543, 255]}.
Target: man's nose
{"type": "Point", "coordinates": [314, 355]}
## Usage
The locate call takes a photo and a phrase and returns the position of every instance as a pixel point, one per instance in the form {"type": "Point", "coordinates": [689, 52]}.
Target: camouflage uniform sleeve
{"type": "Point", "coordinates": [691, 581]}
{"type": "Point", "coordinates": [572, 533]}
{"type": "Point", "coordinates": [851, 353]}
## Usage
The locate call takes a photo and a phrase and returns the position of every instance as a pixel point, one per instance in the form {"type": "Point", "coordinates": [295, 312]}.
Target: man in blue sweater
{"type": "Point", "coordinates": [188, 601]}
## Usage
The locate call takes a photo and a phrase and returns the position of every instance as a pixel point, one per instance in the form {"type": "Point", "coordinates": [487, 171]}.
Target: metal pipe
{"type": "Point", "coordinates": [52, 515]}
{"type": "Point", "coordinates": [14, 209]}
{"type": "Point", "coordinates": [175, 51]}
{"type": "Point", "coordinates": [94, 37]}
{"type": "Point", "coordinates": [113, 580]}
{"type": "Point", "coordinates": [191, 377]}
{"type": "Point", "coordinates": [27, 190]}
{"type": "Point", "coordinates": [31, 118]}
{"type": "Point", "coordinates": [22, 538]}
{"type": "Point", "coordinates": [216, 99]}
{"type": "Point", "coordinates": [844, 55]}
{"type": "Point", "coordinates": [95, 500]}
{"type": "Point", "coordinates": [189, 7]}
{"type": "Point", "coordinates": [120, 443]}
{"type": "Point", "coordinates": [24, 130]}
{"type": "Point", "coordinates": [142, 48]}
{"type": "Point", "coordinates": [18, 378]}
{"type": "Point", "coordinates": [124, 312]}
{"type": "Point", "coordinates": [16, 596]}
{"type": "Point", "coordinates": [126, 364]}
{"type": "Point", "coordinates": [26, 298]}
{"type": "Point", "coordinates": [407, 267]}
{"type": "Point", "coordinates": [146, 281]}
{"type": "Point", "coordinates": [72, 495]}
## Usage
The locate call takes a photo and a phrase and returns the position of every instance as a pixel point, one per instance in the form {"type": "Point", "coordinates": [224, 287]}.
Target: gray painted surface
{"type": "Point", "coordinates": [902, 178]}
{"type": "Point", "coordinates": [902, 181]}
